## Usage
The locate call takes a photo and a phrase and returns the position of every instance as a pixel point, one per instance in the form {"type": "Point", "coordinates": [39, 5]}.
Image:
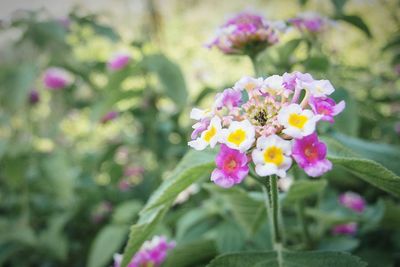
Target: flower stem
{"type": "Point", "coordinates": [253, 58]}
{"type": "Point", "coordinates": [273, 211]}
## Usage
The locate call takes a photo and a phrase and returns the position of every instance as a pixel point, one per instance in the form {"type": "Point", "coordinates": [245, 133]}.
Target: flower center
{"type": "Point", "coordinates": [311, 152]}
{"type": "Point", "coordinates": [261, 117]}
{"type": "Point", "coordinates": [273, 155]}
{"type": "Point", "coordinates": [297, 120]}
{"type": "Point", "coordinates": [209, 134]}
{"type": "Point", "coordinates": [237, 137]}
{"type": "Point", "coordinates": [230, 165]}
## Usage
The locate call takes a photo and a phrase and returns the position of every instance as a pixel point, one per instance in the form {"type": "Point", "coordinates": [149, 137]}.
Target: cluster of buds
{"type": "Point", "coordinates": [310, 22]}
{"type": "Point", "coordinates": [245, 33]}
{"type": "Point", "coordinates": [354, 202]}
{"type": "Point", "coordinates": [270, 122]}
{"type": "Point", "coordinates": [152, 253]}
{"type": "Point", "coordinates": [56, 78]}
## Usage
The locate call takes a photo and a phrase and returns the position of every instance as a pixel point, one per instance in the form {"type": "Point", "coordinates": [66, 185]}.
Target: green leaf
{"type": "Point", "coordinates": [304, 189]}
{"type": "Point", "coordinates": [366, 169]}
{"type": "Point", "coordinates": [229, 237]}
{"type": "Point", "coordinates": [387, 155]}
{"type": "Point", "coordinates": [106, 243]}
{"type": "Point", "coordinates": [170, 77]}
{"type": "Point", "coordinates": [287, 50]}
{"type": "Point", "coordinates": [339, 243]}
{"type": "Point", "coordinates": [125, 212]}
{"type": "Point", "coordinates": [357, 22]}
{"type": "Point", "coordinates": [287, 259]}
{"type": "Point", "coordinates": [248, 211]}
{"type": "Point", "coordinates": [192, 253]}
{"type": "Point", "coordinates": [194, 166]}
{"type": "Point", "coordinates": [317, 63]}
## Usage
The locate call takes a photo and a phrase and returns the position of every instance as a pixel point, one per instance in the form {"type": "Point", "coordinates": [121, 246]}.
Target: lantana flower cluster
{"type": "Point", "coordinates": [270, 122]}
{"type": "Point", "coordinates": [244, 33]}
{"type": "Point", "coordinates": [152, 253]}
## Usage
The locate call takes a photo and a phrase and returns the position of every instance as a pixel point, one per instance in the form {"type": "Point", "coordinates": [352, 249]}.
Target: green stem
{"type": "Point", "coordinates": [275, 210]}
{"type": "Point", "coordinates": [254, 63]}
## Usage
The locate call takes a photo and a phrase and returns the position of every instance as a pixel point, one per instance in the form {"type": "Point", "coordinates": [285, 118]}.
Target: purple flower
{"type": "Point", "coordinates": [152, 253]}
{"type": "Point", "coordinates": [345, 229]}
{"type": "Point", "coordinates": [327, 107]}
{"type": "Point", "coordinates": [231, 167]}
{"type": "Point", "coordinates": [310, 154]}
{"type": "Point", "coordinates": [229, 98]}
{"type": "Point", "coordinates": [118, 61]}
{"type": "Point", "coordinates": [34, 97]}
{"type": "Point", "coordinates": [309, 22]}
{"type": "Point", "coordinates": [243, 31]}
{"type": "Point", "coordinates": [200, 127]}
{"type": "Point", "coordinates": [352, 201]}
{"type": "Point", "coordinates": [109, 116]}
{"type": "Point", "coordinates": [294, 82]}
{"type": "Point", "coordinates": [56, 78]}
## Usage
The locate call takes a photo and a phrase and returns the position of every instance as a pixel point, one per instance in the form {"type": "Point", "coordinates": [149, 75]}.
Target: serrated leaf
{"type": "Point", "coordinates": [387, 155]}
{"type": "Point", "coordinates": [304, 189]}
{"type": "Point", "coordinates": [229, 237]}
{"type": "Point", "coordinates": [170, 77]}
{"type": "Point", "coordinates": [191, 253]}
{"type": "Point", "coordinates": [195, 165]}
{"type": "Point", "coordinates": [366, 169]}
{"type": "Point", "coordinates": [339, 243]}
{"type": "Point", "coordinates": [287, 259]}
{"type": "Point", "coordinates": [248, 211]}
{"type": "Point", "coordinates": [106, 243]}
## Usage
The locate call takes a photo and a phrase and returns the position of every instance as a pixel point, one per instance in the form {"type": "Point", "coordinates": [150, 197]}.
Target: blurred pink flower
{"type": "Point", "coordinates": [34, 97]}
{"type": "Point", "coordinates": [109, 116]}
{"type": "Point", "coordinates": [352, 201]}
{"type": "Point", "coordinates": [245, 33]}
{"type": "Point", "coordinates": [345, 229]}
{"type": "Point", "coordinates": [101, 211]}
{"type": "Point", "coordinates": [57, 78]}
{"type": "Point", "coordinates": [229, 98]}
{"type": "Point", "coordinates": [311, 22]}
{"type": "Point", "coordinates": [152, 253]}
{"type": "Point", "coordinates": [118, 61]}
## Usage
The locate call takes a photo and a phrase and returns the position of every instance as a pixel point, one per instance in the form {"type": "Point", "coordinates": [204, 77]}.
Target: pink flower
{"type": "Point", "coordinates": [57, 78]}
{"type": "Point", "coordinates": [118, 61]}
{"type": "Point", "coordinates": [109, 116]}
{"type": "Point", "coordinates": [34, 97]}
{"type": "Point", "coordinates": [352, 201]}
{"type": "Point", "coordinates": [229, 98]}
{"type": "Point", "coordinates": [327, 107]}
{"type": "Point", "coordinates": [345, 229]}
{"type": "Point", "coordinates": [243, 33]}
{"type": "Point", "coordinates": [310, 154]}
{"type": "Point", "coordinates": [231, 167]}
{"type": "Point", "coordinates": [152, 253]}
{"type": "Point", "coordinates": [294, 82]}
{"type": "Point", "coordinates": [311, 22]}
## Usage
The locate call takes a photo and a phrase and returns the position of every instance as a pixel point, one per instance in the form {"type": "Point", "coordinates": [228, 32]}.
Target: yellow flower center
{"type": "Point", "coordinates": [273, 155]}
{"type": "Point", "coordinates": [209, 134]}
{"type": "Point", "coordinates": [237, 137]}
{"type": "Point", "coordinates": [297, 120]}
